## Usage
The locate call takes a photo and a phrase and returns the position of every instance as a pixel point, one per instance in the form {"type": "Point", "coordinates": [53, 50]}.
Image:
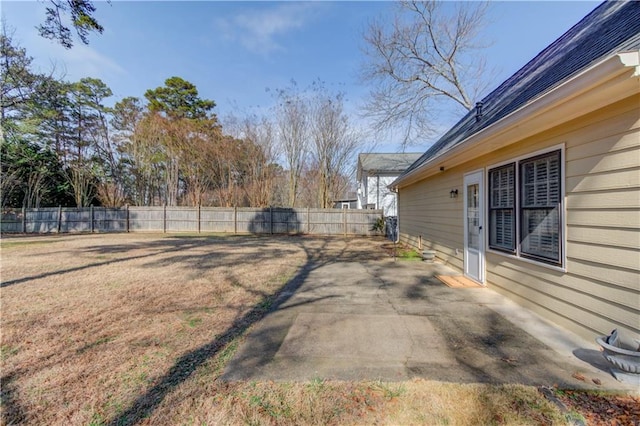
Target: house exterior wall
{"type": "Point", "coordinates": [599, 288]}
{"type": "Point", "coordinates": [362, 191]}
{"type": "Point", "coordinates": [428, 214]}
{"type": "Point", "coordinates": [345, 204]}
{"type": "Point", "coordinates": [373, 189]}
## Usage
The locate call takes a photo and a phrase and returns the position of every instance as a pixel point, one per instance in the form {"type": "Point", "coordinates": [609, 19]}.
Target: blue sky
{"type": "Point", "coordinates": [234, 51]}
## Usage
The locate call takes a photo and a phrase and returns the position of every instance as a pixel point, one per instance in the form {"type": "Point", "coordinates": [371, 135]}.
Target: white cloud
{"type": "Point", "coordinates": [88, 61]}
{"type": "Point", "coordinates": [78, 62]}
{"type": "Point", "coordinates": [258, 30]}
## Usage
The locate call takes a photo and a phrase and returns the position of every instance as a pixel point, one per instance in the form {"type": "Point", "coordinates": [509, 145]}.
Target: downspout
{"type": "Point", "coordinates": [397, 193]}
{"type": "Point", "coordinates": [378, 192]}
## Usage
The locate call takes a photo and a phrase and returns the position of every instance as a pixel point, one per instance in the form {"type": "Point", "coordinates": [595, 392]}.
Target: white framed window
{"type": "Point", "coordinates": [502, 208]}
{"type": "Point", "coordinates": [526, 208]}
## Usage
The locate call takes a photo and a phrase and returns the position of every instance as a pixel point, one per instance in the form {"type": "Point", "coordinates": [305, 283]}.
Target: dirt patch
{"type": "Point", "coordinates": [602, 408]}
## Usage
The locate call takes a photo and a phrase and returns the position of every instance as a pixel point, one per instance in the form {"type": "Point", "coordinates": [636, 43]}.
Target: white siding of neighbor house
{"type": "Point", "coordinates": [362, 192]}
{"type": "Point", "coordinates": [600, 289]}
{"type": "Point", "coordinates": [376, 192]}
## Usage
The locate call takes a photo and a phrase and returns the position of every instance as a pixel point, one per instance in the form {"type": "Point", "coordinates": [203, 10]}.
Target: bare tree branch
{"type": "Point", "coordinates": [334, 142]}
{"type": "Point", "coordinates": [426, 57]}
{"type": "Point", "coordinates": [293, 128]}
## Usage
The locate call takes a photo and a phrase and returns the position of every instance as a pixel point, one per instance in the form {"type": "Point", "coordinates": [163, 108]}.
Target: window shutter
{"type": "Point", "coordinates": [540, 202]}
{"type": "Point", "coordinates": [502, 208]}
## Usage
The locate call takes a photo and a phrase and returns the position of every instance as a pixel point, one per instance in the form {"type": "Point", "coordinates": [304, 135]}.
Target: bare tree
{"type": "Point", "coordinates": [201, 144]}
{"type": "Point", "coordinates": [157, 138]}
{"type": "Point", "coordinates": [428, 55]}
{"type": "Point", "coordinates": [334, 144]}
{"type": "Point", "coordinates": [293, 125]}
{"type": "Point", "coordinates": [82, 181]}
{"type": "Point", "coordinates": [126, 115]}
{"type": "Point", "coordinates": [259, 133]}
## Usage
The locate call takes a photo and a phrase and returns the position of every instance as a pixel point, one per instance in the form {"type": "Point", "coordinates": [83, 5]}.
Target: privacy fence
{"type": "Point", "coordinates": [238, 220]}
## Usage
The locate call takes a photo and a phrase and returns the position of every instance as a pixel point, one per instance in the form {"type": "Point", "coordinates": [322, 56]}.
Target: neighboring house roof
{"type": "Point", "coordinates": [612, 27]}
{"type": "Point", "coordinates": [349, 196]}
{"type": "Point", "coordinates": [385, 163]}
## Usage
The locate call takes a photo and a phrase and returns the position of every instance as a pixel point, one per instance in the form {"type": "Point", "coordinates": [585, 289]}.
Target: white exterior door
{"type": "Point", "coordinates": [473, 221]}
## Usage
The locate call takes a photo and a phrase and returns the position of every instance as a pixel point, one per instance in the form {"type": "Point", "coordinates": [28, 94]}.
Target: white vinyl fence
{"type": "Point", "coordinates": [236, 220]}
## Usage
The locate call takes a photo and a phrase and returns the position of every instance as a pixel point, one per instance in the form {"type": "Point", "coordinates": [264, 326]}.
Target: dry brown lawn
{"type": "Point", "coordinates": [135, 328]}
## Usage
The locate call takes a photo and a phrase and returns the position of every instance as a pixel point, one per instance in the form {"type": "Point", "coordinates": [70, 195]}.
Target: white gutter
{"type": "Point", "coordinates": [581, 83]}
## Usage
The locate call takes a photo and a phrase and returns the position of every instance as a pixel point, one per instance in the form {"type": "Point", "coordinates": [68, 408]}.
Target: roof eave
{"type": "Point", "coordinates": [579, 84]}
{"type": "Point", "coordinates": [384, 171]}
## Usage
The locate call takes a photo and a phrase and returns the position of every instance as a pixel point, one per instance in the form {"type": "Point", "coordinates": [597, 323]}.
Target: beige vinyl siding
{"type": "Point", "coordinates": [586, 307]}
{"type": "Point", "coordinates": [600, 288]}
{"type": "Point", "coordinates": [605, 236]}
{"type": "Point", "coordinates": [430, 212]}
{"type": "Point", "coordinates": [593, 218]}
{"type": "Point", "coordinates": [616, 180]}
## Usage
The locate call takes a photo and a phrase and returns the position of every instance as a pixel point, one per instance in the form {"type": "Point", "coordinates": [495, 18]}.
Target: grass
{"type": "Point", "coordinates": [137, 328]}
{"type": "Point", "coordinates": [26, 242]}
{"type": "Point", "coordinates": [402, 251]}
{"type": "Point", "coordinates": [409, 254]}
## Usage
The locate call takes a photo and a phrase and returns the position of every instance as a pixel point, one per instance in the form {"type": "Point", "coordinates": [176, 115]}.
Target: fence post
{"type": "Point", "coordinates": [198, 218]}
{"type": "Point", "coordinates": [91, 218]}
{"type": "Point", "coordinates": [308, 221]}
{"type": "Point", "coordinates": [344, 221]}
{"type": "Point", "coordinates": [164, 218]}
{"type": "Point", "coordinates": [235, 220]}
{"type": "Point", "coordinates": [24, 220]}
{"type": "Point", "coordinates": [271, 221]}
{"type": "Point", "coordinates": [59, 217]}
{"type": "Point", "coordinates": [127, 217]}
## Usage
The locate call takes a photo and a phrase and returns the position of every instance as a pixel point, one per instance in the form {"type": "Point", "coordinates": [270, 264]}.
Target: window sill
{"type": "Point", "coordinates": [562, 269]}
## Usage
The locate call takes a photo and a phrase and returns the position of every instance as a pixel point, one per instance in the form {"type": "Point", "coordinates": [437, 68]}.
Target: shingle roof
{"type": "Point", "coordinates": [378, 162]}
{"type": "Point", "coordinates": [613, 26]}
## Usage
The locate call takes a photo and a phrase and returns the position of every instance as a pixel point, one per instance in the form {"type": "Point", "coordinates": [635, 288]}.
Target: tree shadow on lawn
{"type": "Point", "coordinates": [69, 270]}
{"type": "Point", "coordinates": [187, 364]}
{"type": "Point", "coordinates": [12, 412]}
{"type": "Point", "coordinates": [170, 244]}
{"type": "Point", "coordinates": [318, 252]}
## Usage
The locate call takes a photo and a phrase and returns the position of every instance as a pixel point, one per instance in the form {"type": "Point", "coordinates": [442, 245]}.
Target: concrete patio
{"type": "Point", "coordinates": [386, 320]}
